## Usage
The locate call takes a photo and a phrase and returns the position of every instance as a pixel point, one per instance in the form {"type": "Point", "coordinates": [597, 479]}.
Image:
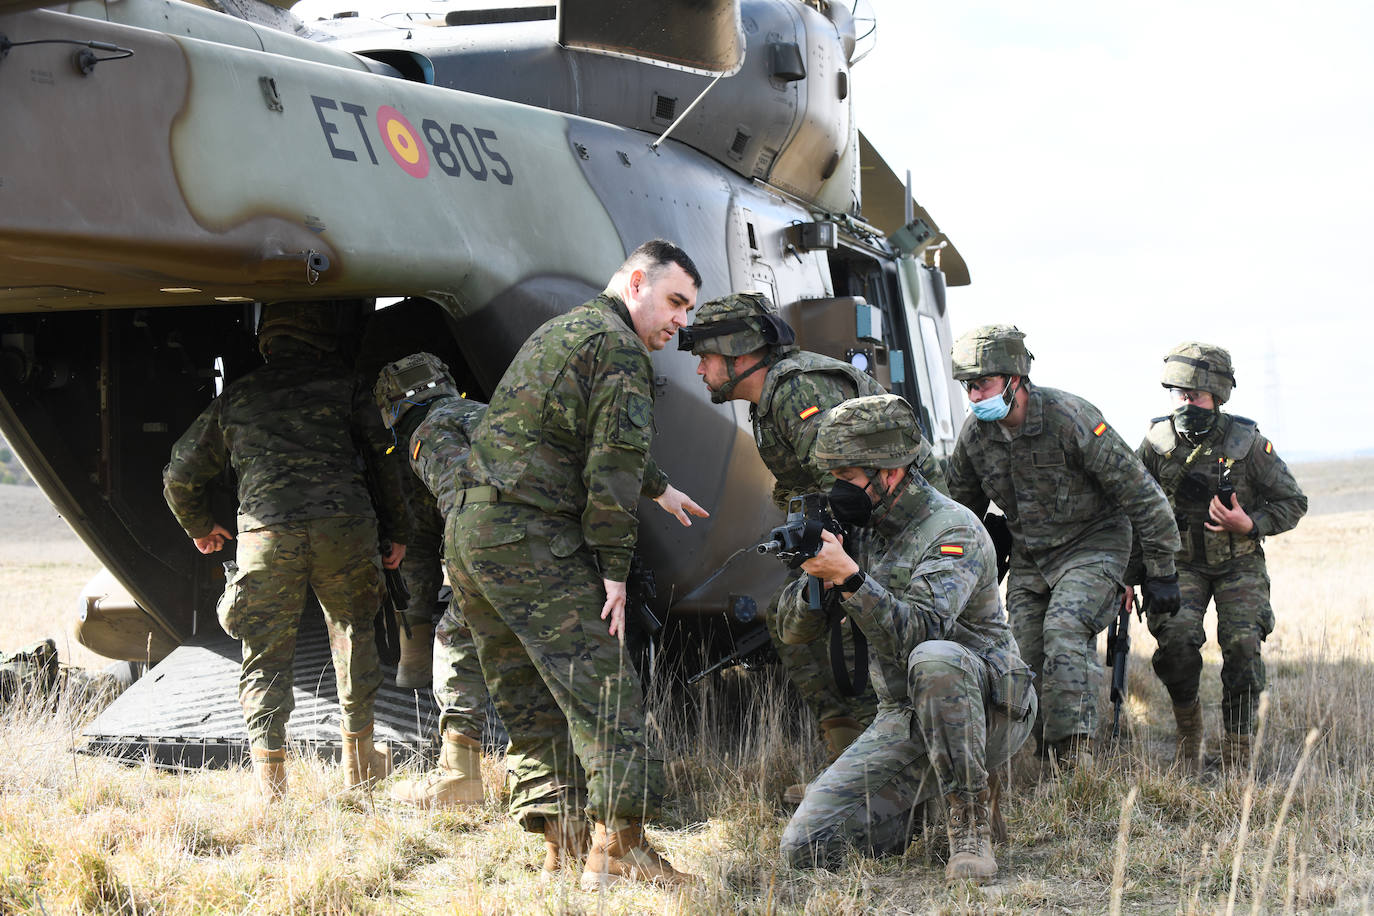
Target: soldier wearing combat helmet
{"type": "Point", "coordinates": [955, 698]}
{"type": "Point", "coordinates": [1228, 489]}
{"type": "Point", "coordinates": [1072, 493]}
{"type": "Point", "coordinates": [432, 423]}
{"type": "Point", "coordinates": [747, 352]}
{"type": "Point", "coordinates": [292, 431]}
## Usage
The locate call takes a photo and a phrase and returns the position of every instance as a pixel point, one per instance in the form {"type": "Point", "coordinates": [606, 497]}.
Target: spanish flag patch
{"type": "Point", "coordinates": [952, 550]}
{"type": "Point", "coordinates": [809, 412]}
{"type": "Point", "coordinates": [1268, 447]}
{"type": "Point", "coordinates": [416, 452]}
{"type": "Point", "coordinates": [1100, 428]}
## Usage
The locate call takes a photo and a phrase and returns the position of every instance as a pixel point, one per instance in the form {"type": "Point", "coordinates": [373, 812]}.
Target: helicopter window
{"type": "Point", "coordinates": [219, 375]}
{"type": "Point", "coordinates": [939, 388]}
{"type": "Point", "coordinates": [753, 240]}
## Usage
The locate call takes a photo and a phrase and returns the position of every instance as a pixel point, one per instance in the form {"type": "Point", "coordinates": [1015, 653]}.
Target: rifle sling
{"type": "Point", "coordinates": [840, 665]}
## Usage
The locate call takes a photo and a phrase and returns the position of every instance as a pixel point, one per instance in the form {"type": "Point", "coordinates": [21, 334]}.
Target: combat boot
{"type": "Point", "coordinates": [970, 839]}
{"type": "Point", "coordinates": [1189, 752]}
{"type": "Point", "coordinates": [457, 781]}
{"type": "Point", "coordinates": [626, 855]}
{"type": "Point", "coordinates": [415, 670]}
{"type": "Point", "coordinates": [838, 734]}
{"type": "Point", "coordinates": [566, 840]}
{"type": "Point", "coordinates": [364, 763]}
{"type": "Point", "coordinates": [269, 767]}
{"type": "Point", "coordinates": [1235, 751]}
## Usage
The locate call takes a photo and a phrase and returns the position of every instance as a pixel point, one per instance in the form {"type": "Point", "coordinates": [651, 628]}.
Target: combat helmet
{"type": "Point", "coordinates": [313, 323]}
{"type": "Point", "coordinates": [735, 325]}
{"type": "Point", "coordinates": [1201, 367]}
{"type": "Point", "coordinates": [410, 382]}
{"type": "Point", "coordinates": [993, 349]}
{"type": "Point", "coordinates": [876, 431]}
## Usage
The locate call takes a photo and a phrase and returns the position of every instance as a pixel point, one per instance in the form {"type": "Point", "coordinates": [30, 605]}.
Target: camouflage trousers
{"type": "Point", "coordinates": [262, 605]}
{"type": "Point", "coordinates": [422, 568]}
{"type": "Point", "coordinates": [1056, 629]}
{"type": "Point", "coordinates": [1240, 590]}
{"type": "Point", "coordinates": [809, 669]}
{"type": "Point", "coordinates": [568, 695]}
{"type": "Point", "coordinates": [944, 743]}
{"type": "Point", "coordinates": [459, 688]}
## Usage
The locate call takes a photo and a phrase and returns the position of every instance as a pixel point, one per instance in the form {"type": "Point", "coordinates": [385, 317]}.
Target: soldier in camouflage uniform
{"type": "Point", "coordinates": [419, 402]}
{"type": "Point", "coordinates": [1072, 491]}
{"type": "Point", "coordinates": [541, 552]}
{"type": "Point", "coordinates": [1228, 490]}
{"type": "Point", "coordinates": [291, 429]}
{"type": "Point", "coordinates": [747, 352]}
{"type": "Point", "coordinates": [954, 697]}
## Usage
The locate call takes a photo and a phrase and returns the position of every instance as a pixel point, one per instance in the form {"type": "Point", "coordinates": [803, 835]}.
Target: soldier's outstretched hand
{"type": "Point", "coordinates": [213, 541]}
{"type": "Point", "coordinates": [677, 503]}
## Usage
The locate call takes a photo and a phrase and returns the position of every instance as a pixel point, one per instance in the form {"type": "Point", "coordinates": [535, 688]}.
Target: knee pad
{"type": "Point", "coordinates": [1178, 668]}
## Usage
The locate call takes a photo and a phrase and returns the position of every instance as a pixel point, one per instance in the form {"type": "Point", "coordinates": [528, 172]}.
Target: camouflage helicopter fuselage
{"type": "Point", "coordinates": [482, 171]}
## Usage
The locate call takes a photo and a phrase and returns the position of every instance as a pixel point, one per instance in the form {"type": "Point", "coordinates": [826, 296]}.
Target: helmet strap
{"type": "Point", "coordinates": [722, 394]}
{"type": "Point", "coordinates": [887, 499]}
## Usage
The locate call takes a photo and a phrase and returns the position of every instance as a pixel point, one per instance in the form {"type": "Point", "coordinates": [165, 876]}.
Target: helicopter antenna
{"type": "Point", "coordinates": [685, 112]}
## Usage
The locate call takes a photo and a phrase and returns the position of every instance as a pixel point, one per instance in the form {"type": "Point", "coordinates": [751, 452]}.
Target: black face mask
{"type": "Point", "coordinates": [850, 503]}
{"type": "Point", "coordinates": [1194, 422]}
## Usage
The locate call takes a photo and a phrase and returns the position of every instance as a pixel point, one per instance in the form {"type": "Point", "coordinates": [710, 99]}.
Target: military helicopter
{"type": "Point", "coordinates": [167, 167]}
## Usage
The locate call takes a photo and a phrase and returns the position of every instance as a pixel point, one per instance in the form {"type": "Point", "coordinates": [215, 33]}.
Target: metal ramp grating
{"type": "Point", "coordinates": [185, 712]}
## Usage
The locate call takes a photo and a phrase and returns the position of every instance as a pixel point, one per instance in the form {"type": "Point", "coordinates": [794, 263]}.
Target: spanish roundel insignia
{"type": "Point", "coordinates": [1099, 429]}
{"type": "Point", "coordinates": [952, 550]}
{"type": "Point", "coordinates": [1268, 447]}
{"type": "Point", "coordinates": [809, 412]}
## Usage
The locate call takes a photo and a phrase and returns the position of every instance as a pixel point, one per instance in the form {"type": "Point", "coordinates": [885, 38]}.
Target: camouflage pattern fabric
{"type": "Point", "coordinates": [422, 569]}
{"type": "Point", "coordinates": [262, 604]}
{"type": "Point", "coordinates": [290, 430]}
{"type": "Point", "coordinates": [1221, 567]}
{"type": "Point", "coordinates": [565, 442]}
{"type": "Point", "coordinates": [569, 697]}
{"type": "Point", "coordinates": [569, 427]}
{"type": "Point", "coordinates": [437, 452]}
{"type": "Point", "coordinates": [1073, 493]}
{"type": "Point", "coordinates": [954, 696]}
{"type": "Point", "coordinates": [797, 391]}
{"type": "Point", "coordinates": [1056, 628]}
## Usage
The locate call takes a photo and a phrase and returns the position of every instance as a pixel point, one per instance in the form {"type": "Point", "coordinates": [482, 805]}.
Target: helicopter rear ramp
{"type": "Point", "coordinates": [184, 712]}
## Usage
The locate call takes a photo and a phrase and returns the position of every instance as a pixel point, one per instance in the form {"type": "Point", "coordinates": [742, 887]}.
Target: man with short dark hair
{"type": "Point", "coordinates": [541, 552]}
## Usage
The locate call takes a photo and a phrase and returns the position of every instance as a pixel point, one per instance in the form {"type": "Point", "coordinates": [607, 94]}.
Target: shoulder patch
{"type": "Point", "coordinates": [1268, 447]}
{"type": "Point", "coordinates": [415, 452]}
{"type": "Point", "coordinates": [952, 550]}
{"type": "Point", "coordinates": [809, 412]}
{"type": "Point", "coordinates": [1100, 428]}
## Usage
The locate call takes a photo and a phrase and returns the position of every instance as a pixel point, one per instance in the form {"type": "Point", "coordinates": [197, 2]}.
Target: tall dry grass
{"type": "Point", "coordinates": [1293, 834]}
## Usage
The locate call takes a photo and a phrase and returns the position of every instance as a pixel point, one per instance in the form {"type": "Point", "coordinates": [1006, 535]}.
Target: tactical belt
{"type": "Point", "coordinates": [487, 494]}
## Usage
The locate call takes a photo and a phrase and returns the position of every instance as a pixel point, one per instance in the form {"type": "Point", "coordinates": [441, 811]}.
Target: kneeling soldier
{"type": "Point", "coordinates": [954, 697]}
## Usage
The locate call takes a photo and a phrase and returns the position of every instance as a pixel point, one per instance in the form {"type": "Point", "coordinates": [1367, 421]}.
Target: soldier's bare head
{"type": "Point", "coordinates": [658, 283]}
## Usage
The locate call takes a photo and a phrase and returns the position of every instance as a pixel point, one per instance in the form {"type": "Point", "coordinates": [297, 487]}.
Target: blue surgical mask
{"type": "Point", "coordinates": [992, 409]}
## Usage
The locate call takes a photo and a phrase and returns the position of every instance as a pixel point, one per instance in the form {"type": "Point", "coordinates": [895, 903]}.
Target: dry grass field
{"type": "Point", "coordinates": [88, 835]}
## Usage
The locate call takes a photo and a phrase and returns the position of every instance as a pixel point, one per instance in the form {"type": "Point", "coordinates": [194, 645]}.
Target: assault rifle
{"type": "Point", "coordinates": [1118, 651]}
{"type": "Point", "coordinates": [797, 540]}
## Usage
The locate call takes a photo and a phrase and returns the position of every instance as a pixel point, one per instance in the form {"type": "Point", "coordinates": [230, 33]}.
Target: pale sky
{"type": "Point", "coordinates": [1121, 177]}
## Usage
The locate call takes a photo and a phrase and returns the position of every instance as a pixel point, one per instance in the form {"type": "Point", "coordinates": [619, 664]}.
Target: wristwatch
{"type": "Point", "coordinates": [854, 582]}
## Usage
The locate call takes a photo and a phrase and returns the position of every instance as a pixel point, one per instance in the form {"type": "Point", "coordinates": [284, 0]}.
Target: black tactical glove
{"type": "Point", "coordinates": [1160, 594]}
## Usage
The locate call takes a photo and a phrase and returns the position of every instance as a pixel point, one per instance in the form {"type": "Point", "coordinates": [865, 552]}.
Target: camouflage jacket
{"type": "Point", "coordinates": [1234, 453]}
{"type": "Point", "coordinates": [290, 429]}
{"type": "Point", "coordinates": [1071, 489]}
{"type": "Point", "coordinates": [438, 448]}
{"type": "Point", "coordinates": [931, 574]}
{"type": "Point", "coordinates": [569, 428]}
{"type": "Point", "coordinates": [796, 392]}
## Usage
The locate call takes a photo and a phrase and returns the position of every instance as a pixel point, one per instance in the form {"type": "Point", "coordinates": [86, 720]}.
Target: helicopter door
{"type": "Point", "coordinates": [846, 328]}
